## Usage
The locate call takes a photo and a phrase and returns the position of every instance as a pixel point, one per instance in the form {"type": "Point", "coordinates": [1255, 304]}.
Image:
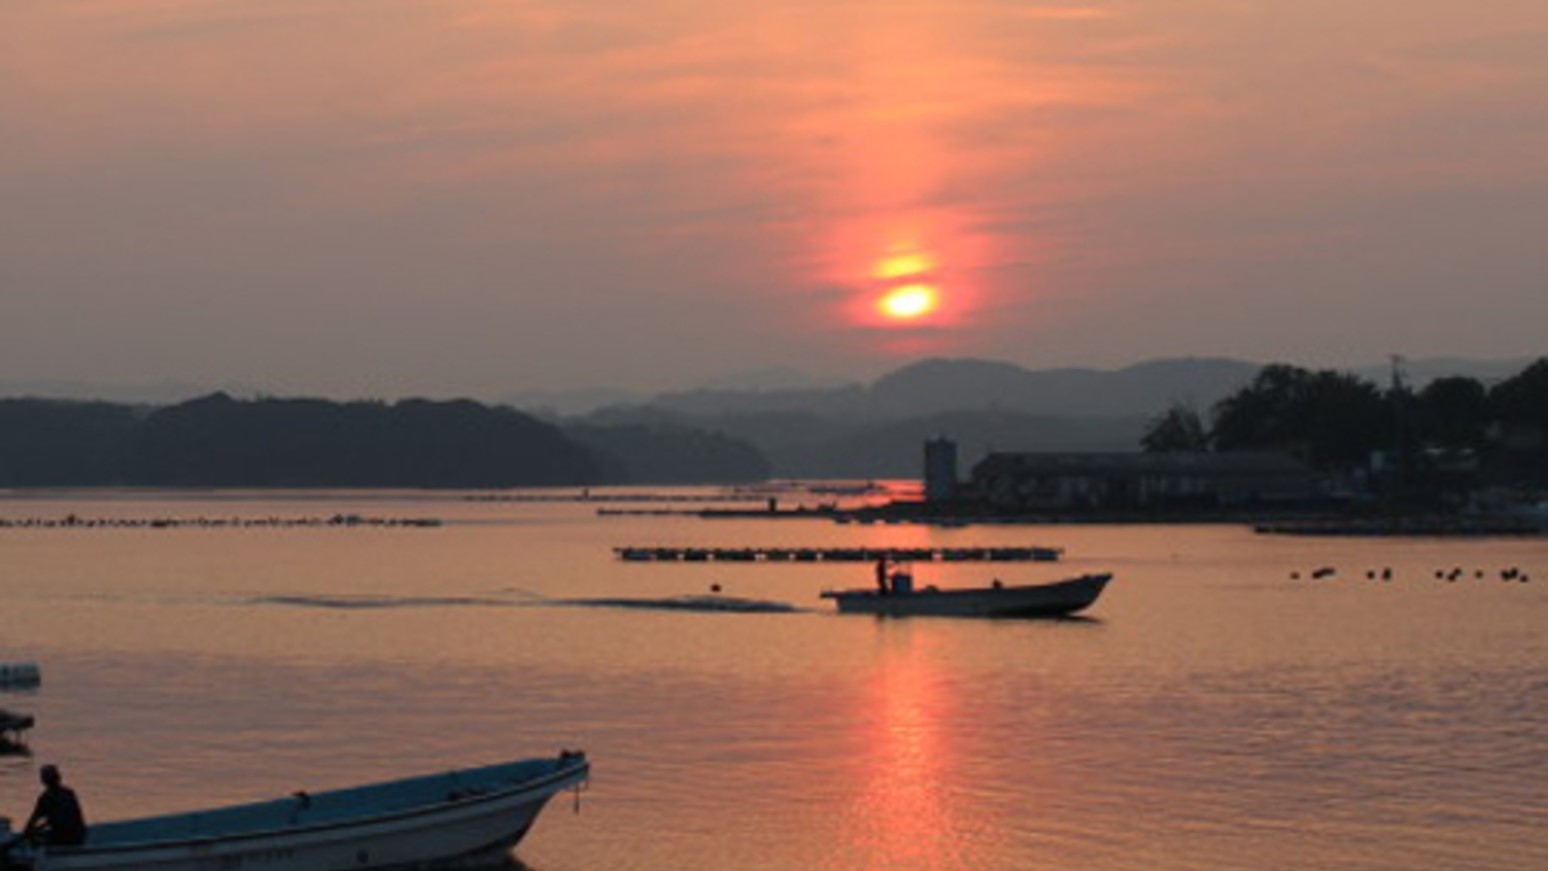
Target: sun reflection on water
{"type": "Point", "coordinates": [904, 816]}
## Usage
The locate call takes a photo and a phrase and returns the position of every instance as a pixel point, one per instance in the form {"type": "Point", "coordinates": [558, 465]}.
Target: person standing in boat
{"type": "Point", "coordinates": [57, 817]}
{"type": "Point", "coordinates": [881, 577]}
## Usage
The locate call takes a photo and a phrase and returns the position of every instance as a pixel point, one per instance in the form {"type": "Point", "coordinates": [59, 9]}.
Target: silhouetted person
{"type": "Point", "coordinates": [881, 577]}
{"type": "Point", "coordinates": [57, 816]}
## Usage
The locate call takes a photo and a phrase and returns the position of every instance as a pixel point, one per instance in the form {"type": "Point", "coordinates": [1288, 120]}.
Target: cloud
{"type": "Point", "coordinates": [557, 188]}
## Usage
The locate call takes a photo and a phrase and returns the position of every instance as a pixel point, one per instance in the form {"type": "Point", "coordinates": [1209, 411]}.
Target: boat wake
{"type": "Point", "coordinates": [370, 602]}
{"type": "Point", "coordinates": [526, 599]}
{"type": "Point", "coordinates": [709, 604]}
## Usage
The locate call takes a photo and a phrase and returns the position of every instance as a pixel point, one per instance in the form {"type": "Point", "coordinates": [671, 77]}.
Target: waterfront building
{"type": "Point", "coordinates": [1045, 481]}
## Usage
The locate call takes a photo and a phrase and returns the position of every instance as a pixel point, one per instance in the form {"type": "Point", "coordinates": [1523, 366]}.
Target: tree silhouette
{"type": "Point", "coordinates": [1520, 406]}
{"type": "Point", "coordinates": [1179, 429]}
{"type": "Point", "coordinates": [1332, 420]}
{"type": "Point", "coordinates": [1451, 413]}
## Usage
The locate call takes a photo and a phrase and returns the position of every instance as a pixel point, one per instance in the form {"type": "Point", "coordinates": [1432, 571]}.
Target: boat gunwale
{"type": "Point", "coordinates": [578, 773]}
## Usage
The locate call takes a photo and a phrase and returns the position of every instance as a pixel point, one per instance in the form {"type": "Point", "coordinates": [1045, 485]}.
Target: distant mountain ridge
{"type": "Point", "coordinates": [927, 385]}
{"type": "Point", "coordinates": [940, 385]}
{"type": "Point", "coordinates": [877, 430]}
{"type": "Point", "coordinates": [937, 385]}
{"type": "Point", "coordinates": [1145, 388]}
{"type": "Point", "coordinates": [167, 392]}
{"type": "Point", "coordinates": [218, 441]}
{"type": "Point", "coordinates": [804, 427]}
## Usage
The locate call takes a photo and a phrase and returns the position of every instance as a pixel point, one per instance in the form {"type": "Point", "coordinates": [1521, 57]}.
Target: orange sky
{"type": "Point", "coordinates": [479, 196]}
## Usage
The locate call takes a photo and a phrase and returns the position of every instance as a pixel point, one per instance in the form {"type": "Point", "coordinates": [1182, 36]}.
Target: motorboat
{"type": "Point", "coordinates": [420, 822]}
{"type": "Point", "coordinates": [899, 598]}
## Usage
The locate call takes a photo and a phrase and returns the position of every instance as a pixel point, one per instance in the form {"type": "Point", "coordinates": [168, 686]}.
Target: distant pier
{"type": "Point", "coordinates": [838, 554]}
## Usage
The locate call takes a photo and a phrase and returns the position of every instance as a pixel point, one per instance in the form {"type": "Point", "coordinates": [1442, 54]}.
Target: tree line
{"type": "Point", "coordinates": [219, 441]}
{"type": "Point", "coordinates": [1451, 435]}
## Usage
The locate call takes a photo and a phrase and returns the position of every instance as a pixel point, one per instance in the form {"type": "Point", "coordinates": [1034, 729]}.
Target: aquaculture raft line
{"type": "Point", "coordinates": [838, 554]}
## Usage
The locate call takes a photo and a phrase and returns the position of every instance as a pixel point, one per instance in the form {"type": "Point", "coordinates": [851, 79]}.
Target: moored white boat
{"type": "Point", "coordinates": [432, 821]}
{"type": "Point", "coordinates": [1057, 599]}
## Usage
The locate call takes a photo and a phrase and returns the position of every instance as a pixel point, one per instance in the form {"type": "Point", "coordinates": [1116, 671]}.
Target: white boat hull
{"type": "Point", "coordinates": [1042, 600]}
{"type": "Point", "coordinates": [439, 835]}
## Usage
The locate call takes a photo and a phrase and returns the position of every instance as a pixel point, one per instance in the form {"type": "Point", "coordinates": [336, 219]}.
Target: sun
{"type": "Point", "coordinates": [909, 302]}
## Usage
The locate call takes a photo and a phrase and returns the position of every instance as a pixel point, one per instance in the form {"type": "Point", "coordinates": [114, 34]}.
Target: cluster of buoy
{"type": "Point", "coordinates": [72, 521]}
{"type": "Point", "coordinates": [1317, 574]}
{"type": "Point", "coordinates": [1453, 574]}
{"type": "Point", "coordinates": [1457, 573]}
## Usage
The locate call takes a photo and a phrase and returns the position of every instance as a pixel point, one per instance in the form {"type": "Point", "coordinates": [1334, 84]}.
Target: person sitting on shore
{"type": "Point", "coordinates": [57, 817]}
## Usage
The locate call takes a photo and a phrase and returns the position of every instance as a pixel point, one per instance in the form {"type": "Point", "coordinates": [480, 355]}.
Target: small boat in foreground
{"type": "Point", "coordinates": [433, 821]}
{"type": "Point", "coordinates": [900, 599]}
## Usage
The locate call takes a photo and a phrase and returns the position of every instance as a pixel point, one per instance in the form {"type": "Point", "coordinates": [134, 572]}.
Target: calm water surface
{"type": "Point", "coordinates": [1212, 714]}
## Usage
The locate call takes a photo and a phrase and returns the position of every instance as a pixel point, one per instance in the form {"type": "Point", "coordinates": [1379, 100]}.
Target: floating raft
{"type": "Point", "coordinates": [614, 497]}
{"type": "Point", "coordinates": [838, 554]}
{"type": "Point", "coordinates": [1409, 526]}
{"type": "Point", "coordinates": [72, 521]}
